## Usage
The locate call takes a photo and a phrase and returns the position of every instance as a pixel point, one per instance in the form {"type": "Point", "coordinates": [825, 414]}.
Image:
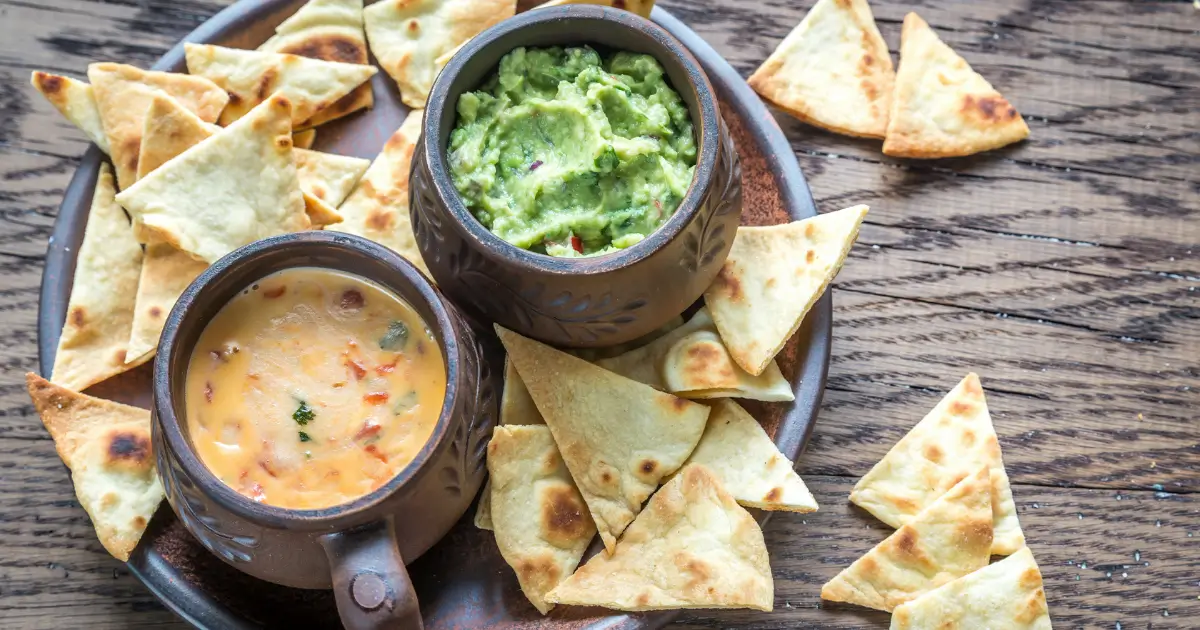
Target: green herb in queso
{"type": "Point", "coordinates": [563, 153]}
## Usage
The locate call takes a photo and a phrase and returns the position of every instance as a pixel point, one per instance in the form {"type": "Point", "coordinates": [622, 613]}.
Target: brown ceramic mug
{"type": "Point", "coordinates": [581, 302]}
{"type": "Point", "coordinates": [358, 548]}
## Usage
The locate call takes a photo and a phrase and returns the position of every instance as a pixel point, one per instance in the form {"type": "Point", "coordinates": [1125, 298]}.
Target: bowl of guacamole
{"type": "Point", "coordinates": [574, 180]}
{"type": "Point", "coordinates": [566, 152]}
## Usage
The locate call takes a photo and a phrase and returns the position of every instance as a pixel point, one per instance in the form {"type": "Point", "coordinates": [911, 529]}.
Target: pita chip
{"type": "Point", "coordinates": [772, 277]}
{"type": "Point", "coordinates": [947, 540]}
{"type": "Point", "coordinates": [941, 107]}
{"type": "Point", "coordinates": [1006, 595]}
{"type": "Point", "coordinates": [516, 408]}
{"type": "Point", "coordinates": [952, 440]}
{"type": "Point", "coordinates": [377, 209]}
{"type": "Point", "coordinates": [107, 447]}
{"type": "Point", "coordinates": [640, 7]}
{"type": "Point", "coordinates": [230, 190]}
{"type": "Point", "coordinates": [408, 36]}
{"type": "Point", "coordinates": [542, 525]}
{"type": "Point", "coordinates": [123, 97]}
{"type": "Point", "coordinates": [329, 30]}
{"type": "Point", "coordinates": [833, 71]}
{"type": "Point", "coordinates": [691, 361]}
{"type": "Point", "coordinates": [304, 139]}
{"type": "Point", "coordinates": [170, 130]}
{"type": "Point", "coordinates": [741, 454]}
{"type": "Point", "coordinates": [619, 438]}
{"type": "Point", "coordinates": [251, 76]}
{"type": "Point", "coordinates": [692, 547]}
{"type": "Point", "coordinates": [327, 180]}
{"type": "Point", "coordinates": [76, 101]}
{"type": "Point", "coordinates": [94, 341]}
{"type": "Point", "coordinates": [166, 272]}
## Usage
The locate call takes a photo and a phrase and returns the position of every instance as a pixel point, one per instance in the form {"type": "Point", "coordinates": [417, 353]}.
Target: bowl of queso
{"type": "Point", "coordinates": [311, 388]}
{"type": "Point", "coordinates": [575, 181]}
{"type": "Point", "coordinates": [320, 417]}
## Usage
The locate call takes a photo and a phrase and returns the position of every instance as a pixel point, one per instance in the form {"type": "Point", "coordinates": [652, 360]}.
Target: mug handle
{"type": "Point", "coordinates": [370, 581]}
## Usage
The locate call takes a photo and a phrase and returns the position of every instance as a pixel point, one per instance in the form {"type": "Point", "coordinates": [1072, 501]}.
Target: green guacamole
{"type": "Point", "coordinates": [564, 153]}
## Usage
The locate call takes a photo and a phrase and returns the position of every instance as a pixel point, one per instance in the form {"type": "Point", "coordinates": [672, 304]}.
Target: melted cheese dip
{"type": "Point", "coordinates": [312, 388]}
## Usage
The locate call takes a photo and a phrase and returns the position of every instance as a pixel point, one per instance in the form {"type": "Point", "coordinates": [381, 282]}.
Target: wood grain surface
{"type": "Point", "coordinates": [1065, 270]}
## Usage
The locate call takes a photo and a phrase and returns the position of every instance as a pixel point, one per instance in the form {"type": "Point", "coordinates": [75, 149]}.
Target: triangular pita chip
{"type": "Point", "coordinates": [772, 277]}
{"type": "Point", "coordinates": [947, 540]}
{"type": "Point", "coordinates": [251, 76]}
{"type": "Point", "coordinates": [95, 337]}
{"type": "Point", "coordinates": [76, 101]}
{"type": "Point", "coordinates": [330, 30]}
{"type": "Point", "coordinates": [377, 209]}
{"type": "Point", "coordinates": [107, 447]}
{"type": "Point", "coordinates": [946, 445]}
{"type": "Point", "coordinates": [640, 7]}
{"type": "Point", "coordinates": [327, 180]}
{"type": "Point", "coordinates": [304, 139]}
{"type": "Point", "coordinates": [941, 107]}
{"type": "Point", "coordinates": [833, 70]}
{"type": "Point", "coordinates": [691, 361]}
{"type": "Point", "coordinates": [516, 408]}
{"type": "Point", "coordinates": [542, 525]}
{"type": "Point", "coordinates": [692, 547]}
{"type": "Point", "coordinates": [1007, 595]}
{"type": "Point", "coordinates": [741, 454]}
{"type": "Point", "coordinates": [166, 272]}
{"type": "Point", "coordinates": [407, 37]}
{"type": "Point", "coordinates": [619, 438]}
{"type": "Point", "coordinates": [230, 190]}
{"type": "Point", "coordinates": [123, 96]}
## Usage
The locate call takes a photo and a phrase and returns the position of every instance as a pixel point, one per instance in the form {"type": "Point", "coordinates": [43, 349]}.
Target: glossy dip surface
{"type": "Point", "coordinates": [311, 388]}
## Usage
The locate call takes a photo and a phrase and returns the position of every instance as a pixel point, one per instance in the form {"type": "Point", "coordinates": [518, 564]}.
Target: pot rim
{"type": "Point", "coordinates": [171, 362]}
{"type": "Point", "coordinates": [669, 51]}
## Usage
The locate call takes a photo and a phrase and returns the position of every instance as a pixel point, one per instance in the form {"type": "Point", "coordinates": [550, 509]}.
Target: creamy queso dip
{"type": "Point", "coordinates": [312, 388]}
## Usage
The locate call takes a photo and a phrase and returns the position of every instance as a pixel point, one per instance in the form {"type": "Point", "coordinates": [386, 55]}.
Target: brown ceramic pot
{"type": "Point", "coordinates": [582, 302]}
{"type": "Point", "coordinates": [359, 548]}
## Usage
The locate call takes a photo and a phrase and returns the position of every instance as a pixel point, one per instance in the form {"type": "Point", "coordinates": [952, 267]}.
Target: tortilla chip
{"type": "Point", "coordinates": [516, 408]}
{"type": "Point", "coordinates": [76, 101]}
{"type": "Point", "coordinates": [665, 364]}
{"type": "Point", "coordinates": [619, 438]}
{"type": "Point", "coordinates": [947, 540]}
{"type": "Point", "coordinates": [833, 71]}
{"type": "Point", "coordinates": [941, 107]}
{"type": "Point", "coordinates": [329, 30]}
{"type": "Point", "coordinates": [304, 139]}
{"type": "Point", "coordinates": [107, 447]}
{"type": "Point", "coordinates": [408, 36]}
{"type": "Point", "coordinates": [95, 337]}
{"type": "Point", "coordinates": [377, 209]}
{"type": "Point", "coordinates": [251, 77]}
{"type": "Point", "coordinates": [772, 277]}
{"type": "Point", "coordinates": [692, 547]}
{"type": "Point", "coordinates": [327, 180]}
{"type": "Point", "coordinates": [542, 524]}
{"type": "Point", "coordinates": [741, 454]}
{"type": "Point", "coordinates": [1006, 595]}
{"type": "Point", "coordinates": [230, 190]}
{"type": "Point", "coordinates": [166, 272]}
{"type": "Point", "coordinates": [948, 443]}
{"type": "Point", "coordinates": [640, 7]}
{"type": "Point", "coordinates": [170, 129]}
{"type": "Point", "coordinates": [123, 97]}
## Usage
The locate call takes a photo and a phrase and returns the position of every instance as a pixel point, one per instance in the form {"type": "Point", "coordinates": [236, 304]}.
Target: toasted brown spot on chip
{"type": "Point", "coordinates": [773, 495]}
{"type": "Point", "coordinates": [284, 142]}
{"type": "Point", "coordinates": [78, 317]}
{"type": "Point", "coordinates": [728, 283]}
{"type": "Point", "coordinates": [960, 408]}
{"type": "Point", "coordinates": [119, 355]}
{"type": "Point", "coordinates": [266, 84]}
{"type": "Point", "coordinates": [538, 570]}
{"type": "Point", "coordinates": [810, 256]}
{"type": "Point", "coordinates": [906, 541]}
{"type": "Point", "coordinates": [679, 403]}
{"type": "Point", "coordinates": [50, 83]}
{"type": "Point", "coordinates": [129, 447]}
{"type": "Point", "coordinates": [155, 312]}
{"type": "Point", "coordinates": [329, 48]}
{"type": "Point", "coordinates": [139, 521]}
{"type": "Point", "coordinates": [606, 477]}
{"type": "Point", "coordinates": [810, 230]}
{"type": "Point", "coordinates": [933, 453]}
{"type": "Point", "coordinates": [414, 27]}
{"type": "Point", "coordinates": [380, 220]}
{"type": "Point", "coordinates": [562, 514]}
{"type": "Point", "coordinates": [968, 437]}
{"type": "Point", "coordinates": [648, 466]}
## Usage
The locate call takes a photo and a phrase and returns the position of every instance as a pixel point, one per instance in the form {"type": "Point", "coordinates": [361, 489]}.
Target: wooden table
{"type": "Point", "coordinates": [1066, 271]}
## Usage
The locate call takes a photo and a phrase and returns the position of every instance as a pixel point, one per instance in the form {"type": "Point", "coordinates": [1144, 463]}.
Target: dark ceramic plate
{"type": "Point", "coordinates": [462, 582]}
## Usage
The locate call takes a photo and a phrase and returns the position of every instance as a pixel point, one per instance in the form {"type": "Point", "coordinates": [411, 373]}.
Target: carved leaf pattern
{"type": "Point", "coordinates": [706, 238]}
{"type": "Point", "coordinates": [192, 508]}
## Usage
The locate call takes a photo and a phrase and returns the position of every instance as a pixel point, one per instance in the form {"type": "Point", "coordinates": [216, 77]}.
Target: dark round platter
{"type": "Point", "coordinates": [462, 582]}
